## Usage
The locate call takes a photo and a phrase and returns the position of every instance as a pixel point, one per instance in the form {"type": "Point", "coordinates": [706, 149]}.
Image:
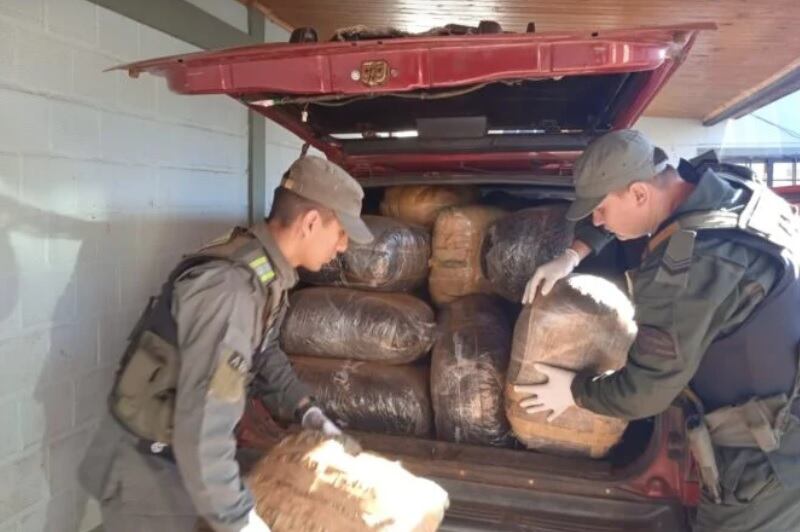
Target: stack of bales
{"type": "Point", "coordinates": [362, 335]}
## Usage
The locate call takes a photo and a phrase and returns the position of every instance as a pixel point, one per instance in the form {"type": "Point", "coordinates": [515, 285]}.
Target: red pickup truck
{"type": "Point", "coordinates": [792, 194]}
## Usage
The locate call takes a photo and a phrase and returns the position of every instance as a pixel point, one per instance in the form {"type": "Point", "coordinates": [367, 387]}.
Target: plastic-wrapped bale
{"type": "Point", "coordinates": [370, 326]}
{"type": "Point", "coordinates": [517, 244]}
{"type": "Point", "coordinates": [396, 261]}
{"type": "Point", "coordinates": [585, 323]}
{"type": "Point", "coordinates": [456, 252]}
{"type": "Point", "coordinates": [468, 369]}
{"type": "Point", "coordinates": [369, 396]}
{"type": "Point", "coordinates": [308, 483]}
{"type": "Point", "coordinates": [420, 204]}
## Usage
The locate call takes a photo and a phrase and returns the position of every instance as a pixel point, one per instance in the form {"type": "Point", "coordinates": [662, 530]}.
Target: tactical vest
{"type": "Point", "coordinates": [143, 397]}
{"type": "Point", "coordinates": [747, 381]}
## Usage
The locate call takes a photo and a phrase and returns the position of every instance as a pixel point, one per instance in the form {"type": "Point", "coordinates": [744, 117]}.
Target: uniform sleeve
{"type": "Point", "coordinates": [276, 382]}
{"type": "Point", "coordinates": [592, 236]}
{"type": "Point", "coordinates": [215, 312]}
{"type": "Point", "coordinates": [676, 326]}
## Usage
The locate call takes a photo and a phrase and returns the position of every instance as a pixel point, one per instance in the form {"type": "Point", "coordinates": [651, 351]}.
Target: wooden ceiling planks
{"type": "Point", "coordinates": [755, 39]}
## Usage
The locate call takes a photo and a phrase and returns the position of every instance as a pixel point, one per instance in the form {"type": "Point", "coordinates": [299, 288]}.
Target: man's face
{"type": "Point", "coordinates": [322, 239]}
{"type": "Point", "coordinates": [626, 212]}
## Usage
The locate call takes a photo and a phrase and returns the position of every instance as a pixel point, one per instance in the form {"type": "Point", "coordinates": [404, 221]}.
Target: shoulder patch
{"type": "Point", "coordinates": [677, 259]}
{"type": "Point", "coordinates": [655, 341]}
{"type": "Point", "coordinates": [262, 267]}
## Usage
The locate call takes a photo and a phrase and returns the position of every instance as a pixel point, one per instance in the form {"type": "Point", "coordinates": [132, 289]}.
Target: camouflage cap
{"type": "Point", "coordinates": [610, 163]}
{"type": "Point", "coordinates": [326, 183]}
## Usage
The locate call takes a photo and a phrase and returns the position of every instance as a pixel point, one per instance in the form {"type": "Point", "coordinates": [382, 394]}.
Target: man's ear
{"type": "Point", "coordinates": [640, 192]}
{"type": "Point", "coordinates": [309, 222]}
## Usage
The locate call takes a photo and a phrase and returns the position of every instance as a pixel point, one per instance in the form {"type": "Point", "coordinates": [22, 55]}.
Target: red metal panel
{"type": "Point", "coordinates": [281, 74]}
{"type": "Point", "coordinates": [792, 193]}
{"type": "Point", "coordinates": [338, 68]}
{"type": "Point", "coordinates": [416, 62]}
{"type": "Point", "coordinates": [458, 66]}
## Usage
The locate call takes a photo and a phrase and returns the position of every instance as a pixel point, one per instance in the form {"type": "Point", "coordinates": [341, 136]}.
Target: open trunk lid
{"type": "Point", "coordinates": [471, 103]}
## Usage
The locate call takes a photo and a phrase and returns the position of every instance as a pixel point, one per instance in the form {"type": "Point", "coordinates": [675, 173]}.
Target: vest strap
{"type": "Point", "coordinates": [748, 425]}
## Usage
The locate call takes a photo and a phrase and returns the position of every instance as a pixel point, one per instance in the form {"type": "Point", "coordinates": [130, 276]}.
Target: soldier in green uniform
{"type": "Point", "coordinates": [716, 297]}
{"type": "Point", "coordinates": [164, 454]}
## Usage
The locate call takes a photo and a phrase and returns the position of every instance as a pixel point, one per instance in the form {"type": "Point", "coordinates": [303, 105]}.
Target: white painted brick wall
{"type": "Point", "coordinates": [23, 483]}
{"type": "Point", "coordinates": [11, 442]}
{"type": "Point", "coordinates": [104, 182]}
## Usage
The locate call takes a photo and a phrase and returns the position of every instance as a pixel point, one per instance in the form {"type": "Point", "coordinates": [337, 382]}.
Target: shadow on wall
{"type": "Point", "coordinates": [78, 306]}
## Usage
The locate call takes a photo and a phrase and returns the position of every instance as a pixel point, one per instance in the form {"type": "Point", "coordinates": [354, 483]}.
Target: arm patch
{"type": "Point", "coordinates": [654, 341]}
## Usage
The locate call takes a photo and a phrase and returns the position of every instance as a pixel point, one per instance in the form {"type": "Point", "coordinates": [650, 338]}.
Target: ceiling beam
{"type": "Point", "coordinates": [182, 20]}
{"type": "Point", "coordinates": [268, 13]}
{"type": "Point", "coordinates": [781, 84]}
{"type": "Point", "coordinates": [257, 141]}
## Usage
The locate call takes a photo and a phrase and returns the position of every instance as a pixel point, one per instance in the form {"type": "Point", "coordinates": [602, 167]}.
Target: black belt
{"type": "Point", "coordinates": [155, 448]}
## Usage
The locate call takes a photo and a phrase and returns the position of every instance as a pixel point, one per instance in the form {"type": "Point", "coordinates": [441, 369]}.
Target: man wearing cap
{"type": "Point", "coordinates": [716, 299]}
{"type": "Point", "coordinates": [165, 453]}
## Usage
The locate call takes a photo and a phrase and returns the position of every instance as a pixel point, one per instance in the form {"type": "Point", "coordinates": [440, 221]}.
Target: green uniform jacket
{"type": "Point", "coordinates": [678, 321]}
{"type": "Point", "coordinates": [725, 282]}
{"type": "Point", "coordinates": [224, 313]}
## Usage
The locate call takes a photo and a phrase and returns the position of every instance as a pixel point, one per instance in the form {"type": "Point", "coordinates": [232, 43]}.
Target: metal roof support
{"type": "Point", "coordinates": [781, 84]}
{"type": "Point", "coordinates": [257, 139]}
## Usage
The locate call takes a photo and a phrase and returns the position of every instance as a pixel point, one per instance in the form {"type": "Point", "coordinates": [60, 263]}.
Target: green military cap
{"type": "Point", "coordinates": [610, 163]}
{"type": "Point", "coordinates": [326, 183]}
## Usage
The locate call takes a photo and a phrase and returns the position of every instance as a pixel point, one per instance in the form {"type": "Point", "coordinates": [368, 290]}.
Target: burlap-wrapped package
{"type": "Point", "coordinates": [420, 204]}
{"type": "Point", "coordinates": [345, 323]}
{"type": "Point", "coordinates": [369, 396]}
{"type": "Point", "coordinates": [456, 252]}
{"type": "Point", "coordinates": [517, 244]}
{"type": "Point", "coordinates": [395, 261]}
{"type": "Point", "coordinates": [309, 483]}
{"type": "Point", "coordinates": [585, 323]}
{"type": "Point", "coordinates": [468, 369]}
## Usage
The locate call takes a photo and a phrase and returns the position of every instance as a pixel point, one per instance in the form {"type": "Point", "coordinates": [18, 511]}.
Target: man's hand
{"type": "Point", "coordinates": [255, 523]}
{"type": "Point", "coordinates": [554, 395]}
{"type": "Point", "coordinates": [549, 273]}
{"type": "Point", "coordinates": [315, 419]}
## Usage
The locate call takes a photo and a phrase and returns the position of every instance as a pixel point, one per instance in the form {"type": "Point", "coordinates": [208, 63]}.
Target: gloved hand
{"type": "Point", "coordinates": [255, 523]}
{"type": "Point", "coordinates": [554, 395]}
{"type": "Point", "coordinates": [549, 273]}
{"type": "Point", "coordinates": [315, 419]}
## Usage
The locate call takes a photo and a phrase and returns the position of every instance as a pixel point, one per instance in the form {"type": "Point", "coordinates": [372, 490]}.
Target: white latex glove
{"type": "Point", "coordinates": [315, 419]}
{"type": "Point", "coordinates": [255, 523]}
{"type": "Point", "coordinates": [549, 273]}
{"type": "Point", "coordinates": [554, 395]}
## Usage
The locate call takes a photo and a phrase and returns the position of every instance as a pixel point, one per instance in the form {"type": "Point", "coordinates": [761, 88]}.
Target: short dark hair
{"type": "Point", "coordinates": [288, 206]}
{"type": "Point", "coordinates": [663, 178]}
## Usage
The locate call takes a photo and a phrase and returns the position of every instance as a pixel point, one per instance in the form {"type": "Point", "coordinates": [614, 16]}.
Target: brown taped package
{"type": "Point", "coordinates": [456, 252]}
{"type": "Point", "coordinates": [369, 396]}
{"type": "Point", "coordinates": [585, 323]}
{"type": "Point", "coordinates": [468, 369]}
{"type": "Point", "coordinates": [517, 244]}
{"type": "Point", "coordinates": [309, 483]}
{"type": "Point", "coordinates": [352, 324]}
{"type": "Point", "coordinates": [395, 261]}
{"type": "Point", "coordinates": [420, 204]}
